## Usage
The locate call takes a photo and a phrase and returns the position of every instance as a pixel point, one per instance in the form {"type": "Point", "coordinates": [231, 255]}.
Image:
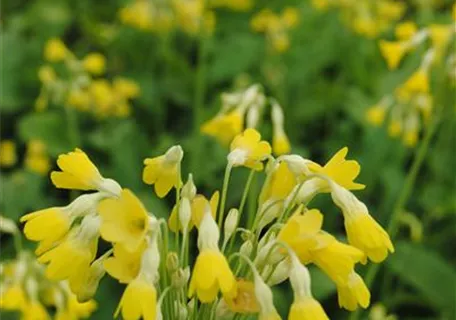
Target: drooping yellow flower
{"type": "Point", "coordinates": [138, 300]}
{"type": "Point", "coordinates": [336, 259]}
{"type": "Point", "coordinates": [36, 157]}
{"type": "Point", "coordinates": [35, 311]}
{"type": "Point", "coordinates": [247, 150]}
{"type": "Point", "coordinates": [417, 83]}
{"type": "Point", "coordinates": [280, 144]}
{"type": "Point", "coordinates": [75, 310]}
{"type": "Point", "coordinates": [124, 220]}
{"type": "Point", "coordinates": [290, 16]}
{"type": "Point", "coordinates": [340, 170]}
{"type": "Point", "coordinates": [307, 308]}
{"type": "Point", "coordinates": [245, 301]}
{"type": "Point", "coordinates": [375, 115]}
{"type": "Point", "coordinates": [80, 99]}
{"type": "Point", "coordinates": [124, 265]}
{"type": "Point", "coordinates": [405, 30]}
{"type": "Point", "coordinates": [211, 272]}
{"type": "Point", "coordinates": [410, 138]}
{"type": "Point", "coordinates": [8, 155]}
{"type": "Point", "coordinates": [48, 225]}
{"type": "Point", "coordinates": [55, 50]}
{"type": "Point", "coordinates": [94, 63]}
{"type": "Point", "coordinates": [198, 206]}
{"type": "Point", "coordinates": [280, 185]}
{"type": "Point", "coordinates": [394, 128]}
{"type": "Point", "coordinates": [353, 292]}
{"type": "Point", "coordinates": [13, 297]}
{"type": "Point", "coordinates": [363, 231]}
{"type": "Point", "coordinates": [46, 74]}
{"type": "Point", "coordinates": [74, 253]}
{"type": "Point", "coordinates": [440, 35]}
{"type": "Point", "coordinates": [163, 171]}
{"type": "Point", "coordinates": [126, 87]}
{"type": "Point", "coordinates": [393, 52]}
{"type": "Point", "coordinates": [224, 127]}
{"type": "Point", "coordinates": [301, 233]}
{"type": "Point", "coordinates": [78, 172]}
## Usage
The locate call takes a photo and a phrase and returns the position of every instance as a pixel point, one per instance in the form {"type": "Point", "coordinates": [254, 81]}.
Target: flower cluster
{"type": "Point", "coordinates": [365, 17]}
{"type": "Point", "coordinates": [75, 83]}
{"type": "Point", "coordinates": [247, 104]}
{"type": "Point", "coordinates": [26, 289]}
{"type": "Point", "coordinates": [36, 156]}
{"type": "Point", "coordinates": [190, 16]}
{"type": "Point", "coordinates": [227, 277]}
{"type": "Point", "coordinates": [414, 98]}
{"type": "Point", "coordinates": [276, 27]}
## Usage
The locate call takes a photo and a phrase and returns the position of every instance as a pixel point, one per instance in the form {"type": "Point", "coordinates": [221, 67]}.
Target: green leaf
{"type": "Point", "coordinates": [425, 270]}
{"type": "Point", "coordinates": [49, 127]}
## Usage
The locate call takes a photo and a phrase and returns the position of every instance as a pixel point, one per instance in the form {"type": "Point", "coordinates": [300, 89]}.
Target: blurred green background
{"type": "Point", "coordinates": [324, 82]}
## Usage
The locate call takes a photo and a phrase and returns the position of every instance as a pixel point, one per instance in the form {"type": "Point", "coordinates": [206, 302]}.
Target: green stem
{"type": "Point", "coordinates": [406, 191]}
{"type": "Point", "coordinates": [252, 204]}
{"type": "Point", "coordinates": [241, 207]}
{"type": "Point", "coordinates": [226, 180]}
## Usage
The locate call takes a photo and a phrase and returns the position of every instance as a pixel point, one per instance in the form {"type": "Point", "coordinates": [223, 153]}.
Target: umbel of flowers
{"type": "Point", "coordinates": [367, 18]}
{"type": "Point", "coordinates": [244, 108]}
{"type": "Point", "coordinates": [78, 83]}
{"type": "Point", "coordinates": [151, 256]}
{"type": "Point", "coordinates": [26, 289]}
{"type": "Point", "coordinates": [409, 107]}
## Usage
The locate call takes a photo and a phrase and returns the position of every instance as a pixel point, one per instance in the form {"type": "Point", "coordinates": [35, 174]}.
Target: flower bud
{"type": "Point", "coordinates": [280, 273]}
{"type": "Point", "coordinates": [174, 154]}
{"type": "Point", "coordinates": [230, 223]}
{"type": "Point", "coordinates": [180, 277]}
{"type": "Point", "coordinates": [7, 225]}
{"type": "Point", "coordinates": [182, 312]}
{"type": "Point", "coordinates": [92, 279]}
{"type": "Point", "coordinates": [185, 212]}
{"type": "Point", "coordinates": [172, 262]}
{"type": "Point", "coordinates": [189, 189]}
{"type": "Point", "coordinates": [246, 248]}
{"type": "Point", "coordinates": [297, 164]}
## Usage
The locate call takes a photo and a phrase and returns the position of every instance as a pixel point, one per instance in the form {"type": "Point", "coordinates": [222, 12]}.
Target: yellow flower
{"type": "Point", "coordinates": [75, 310]}
{"type": "Point", "coordinates": [353, 292]}
{"type": "Point", "coordinates": [126, 87]}
{"type": "Point", "coordinates": [340, 170]}
{"type": "Point", "coordinates": [336, 259]}
{"type": "Point", "coordinates": [410, 137]}
{"type": "Point", "coordinates": [41, 102]}
{"type": "Point", "coordinates": [74, 253]}
{"type": "Point", "coordinates": [290, 17]}
{"type": "Point", "coordinates": [247, 150]}
{"type": "Point", "coordinates": [79, 173]}
{"type": "Point", "coordinates": [418, 82]}
{"type": "Point", "coordinates": [79, 99]}
{"type": "Point", "coordinates": [55, 50]}
{"type": "Point", "coordinates": [224, 127]}
{"type": "Point", "coordinates": [376, 115]}
{"type": "Point", "coordinates": [46, 74]}
{"type": "Point", "coordinates": [440, 35]}
{"type": "Point", "coordinates": [405, 30]}
{"type": "Point", "coordinates": [245, 301]}
{"type": "Point", "coordinates": [198, 206]}
{"type": "Point", "coordinates": [393, 52]}
{"type": "Point", "coordinates": [301, 233]}
{"type": "Point", "coordinates": [124, 220]}
{"type": "Point", "coordinates": [320, 4]}
{"type": "Point", "coordinates": [94, 63]}
{"type": "Point", "coordinates": [363, 231]}
{"type": "Point", "coordinates": [281, 144]}
{"type": "Point", "coordinates": [164, 171]}
{"type": "Point", "coordinates": [35, 311]}
{"type": "Point", "coordinates": [125, 265]}
{"type": "Point", "coordinates": [103, 95]}
{"type": "Point", "coordinates": [394, 128]}
{"type": "Point", "coordinates": [12, 297]}
{"type": "Point", "coordinates": [211, 274]}
{"type": "Point", "coordinates": [280, 185]}
{"type": "Point", "coordinates": [8, 155]}
{"type": "Point", "coordinates": [138, 300]}
{"type": "Point", "coordinates": [36, 157]}
{"type": "Point", "coordinates": [307, 308]}
{"type": "Point", "coordinates": [48, 225]}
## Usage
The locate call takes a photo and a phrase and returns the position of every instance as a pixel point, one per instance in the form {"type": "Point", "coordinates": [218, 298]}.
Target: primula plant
{"type": "Point", "coordinates": [240, 258]}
